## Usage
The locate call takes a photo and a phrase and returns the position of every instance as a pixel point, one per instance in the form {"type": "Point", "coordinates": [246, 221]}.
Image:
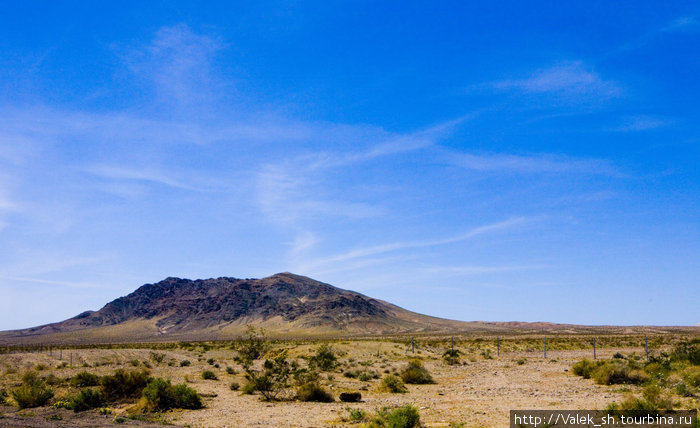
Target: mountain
{"type": "Point", "coordinates": [284, 304]}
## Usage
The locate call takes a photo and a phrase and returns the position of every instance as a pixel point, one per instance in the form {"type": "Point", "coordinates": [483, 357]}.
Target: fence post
{"type": "Point", "coordinates": [646, 347]}
{"type": "Point", "coordinates": [545, 346]}
{"type": "Point", "coordinates": [452, 340]}
{"type": "Point", "coordinates": [594, 348]}
{"type": "Point", "coordinates": [413, 345]}
{"type": "Point", "coordinates": [498, 346]}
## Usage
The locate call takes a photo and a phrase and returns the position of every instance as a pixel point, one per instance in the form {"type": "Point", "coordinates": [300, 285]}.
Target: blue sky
{"type": "Point", "coordinates": [532, 161]}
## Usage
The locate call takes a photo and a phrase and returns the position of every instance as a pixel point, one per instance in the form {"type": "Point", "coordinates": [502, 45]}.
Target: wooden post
{"type": "Point", "coordinates": [594, 348]}
{"type": "Point", "coordinates": [498, 346]}
{"type": "Point", "coordinates": [413, 345]}
{"type": "Point", "coordinates": [646, 347]}
{"type": "Point", "coordinates": [545, 346]}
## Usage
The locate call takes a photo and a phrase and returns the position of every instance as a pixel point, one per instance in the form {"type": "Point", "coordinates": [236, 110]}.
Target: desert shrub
{"type": "Point", "coordinates": [53, 380]}
{"type": "Point", "coordinates": [41, 367]}
{"type": "Point", "coordinates": [210, 361]}
{"type": "Point", "coordinates": [160, 394]}
{"type": "Point", "coordinates": [85, 379]}
{"type": "Point", "coordinates": [393, 384]}
{"type": "Point", "coordinates": [87, 399]}
{"type": "Point", "coordinates": [691, 375]}
{"type": "Point", "coordinates": [687, 350]}
{"type": "Point", "coordinates": [402, 417]}
{"type": "Point", "coordinates": [451, 356]}
{"type": "Point", "coordinates": [521, 361]}
{"type": "Point", "coordinates": [273, 381]}
{"type": "Point", "coordinates": [209, 375]}
{"type": "Point", "coordinates": [614, 373]}
{"type": "Point", "coordinates": [486, 353]}
{"type": "Point", "coordinates": [32, 393]}
{"type": "Point", "coordinates": [123, 384]}
{"type": "Point", "coordinates": [584, 368]}
{"type": "Point", "coordinates": [618, 355]}
{"type": "Point", "coordinates": [252, 345]}
{"type": "Point", "coordinates": [356, 415]}
{"type": "Point", "coordinates": [415, 373]}
{"type": "Point", "coordinates": [185, 363]}
{"type": "Point", "coordinates": [235, 386]}
{"type": "Point", "coordinates": [249, 388]}
{"type": "Point", "coordinates": [368, 375]}
{"type": "Point", "coordinates": [324, 359]}
{"type": "Point", "coordinates": [352, 374]}
{"type": "Point", "coordinates": [230, 370]}
{"type": "Point", "coordinates": [157, 357]}
{"type": "Point", "coordinates": [3, 396]}
{"type": "Point", "coordinates": [312, 391]}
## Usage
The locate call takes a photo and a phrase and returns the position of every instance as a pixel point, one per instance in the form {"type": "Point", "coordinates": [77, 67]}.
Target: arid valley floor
{"type": "Point", "coordinates": [478, 392]}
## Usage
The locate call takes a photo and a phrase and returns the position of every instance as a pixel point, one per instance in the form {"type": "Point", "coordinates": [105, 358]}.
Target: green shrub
{"type": "Point", "coordinates": [185, 363]}
{"type": "Point", "coordinates": [451, 356]}
{"type": "Point", "coordinates": [356, 415]}
{"type": "Point", "coordinates": [230, 370]}
{"type": "Point", "coordinates": [312, 391]}
{"type": "Point", "coordinates": [86, 400]}
{"type": "Point", "coordinates": [3, 396]}
{"type": "Point", "coordinates": [273, 381]}
{"type": "Point", "coordinates": [209, 375]}
{"type": "Point", "coordinates": [160, 394]}
{"type": "Point", "coordinates": [249, 388]}
{"type": "Point", "coordinates": [124, 384]}
{"type": "Point", "coordinates": [352, 374]}
{"type": "Point", "coordinates": [85, 379]}
{"type": "Point", "coordinates": [366, 376]}
{"type": "Point", "coordinates": [252, 345]}
{"type": "Point", "coordinates": [235, 386]}
{"type": "Point", "coordinates": [521, 361]}
{"type": "Point", "coordinates": [402, 417]}
{"type": "Point", "coordinates": [393, 384]}
{"type": "Point", "coordinates": [157, 357]}
{"type": "Point", "coordinates": [32, 393]}
{"type": "Point", "coordinates": [687, 350]}
{"type": "Point", "coordinates": [614, 373]}
{"type": "Point", "coordinates": [584, 368]}
{"type": "Point", "coordinates": [415, 373]}
{"type": "Point", "coordinates": [210, 361]}
{"type": "Point", "coordinates": [324, 359]}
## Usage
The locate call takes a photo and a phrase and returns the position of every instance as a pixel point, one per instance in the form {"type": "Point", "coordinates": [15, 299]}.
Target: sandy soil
{"type": "Point", "coordinates": [479, 393]}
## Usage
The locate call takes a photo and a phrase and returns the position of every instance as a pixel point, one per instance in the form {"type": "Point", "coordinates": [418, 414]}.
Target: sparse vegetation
{"type": "Point", "coordinates": [415, 373]}
{"type": "Point", "coordinates": [87, 399]}
{"type": "Point", "coordinates": [124, 384]}
{"type": "Point", "coordinates": [160, 395]}
{"type": "Point", "coordinates": [312, 391]}
{"type": "Point", "coordinates": [209, 375]}
{"type": "Point", "coordinates": [32, 393]}
{"type": "Point", "coordinates": [393, 384]}
{"type": "Point", "coordinates": [83, 379]}
{"type": "Point", "coordinates": [401, 417]}
{"type": "Point", "coordinates": [324, 359]}
{"type": "Point", "coordinates": [451, 356]}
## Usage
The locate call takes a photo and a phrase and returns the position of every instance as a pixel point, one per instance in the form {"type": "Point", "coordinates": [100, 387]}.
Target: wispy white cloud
{"type": "Point", "coordinates": [534, 164]}
{"type": "Point", "coordinates": [641, 123]}
{"type": "Point", "coordinates": [569, 79]}
{"type": "Point", "coordinates": [178, 62]}
{"type": "Point", "coordinates": [475, 270]}
{"type": "Point", "coordinates": [397, 246]}
{"type": "Point", "coordinates": [684, 23]}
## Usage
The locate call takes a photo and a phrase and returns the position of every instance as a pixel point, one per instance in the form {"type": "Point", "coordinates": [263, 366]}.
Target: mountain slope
{"type": "Point", "coordinates": [182, 309]}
